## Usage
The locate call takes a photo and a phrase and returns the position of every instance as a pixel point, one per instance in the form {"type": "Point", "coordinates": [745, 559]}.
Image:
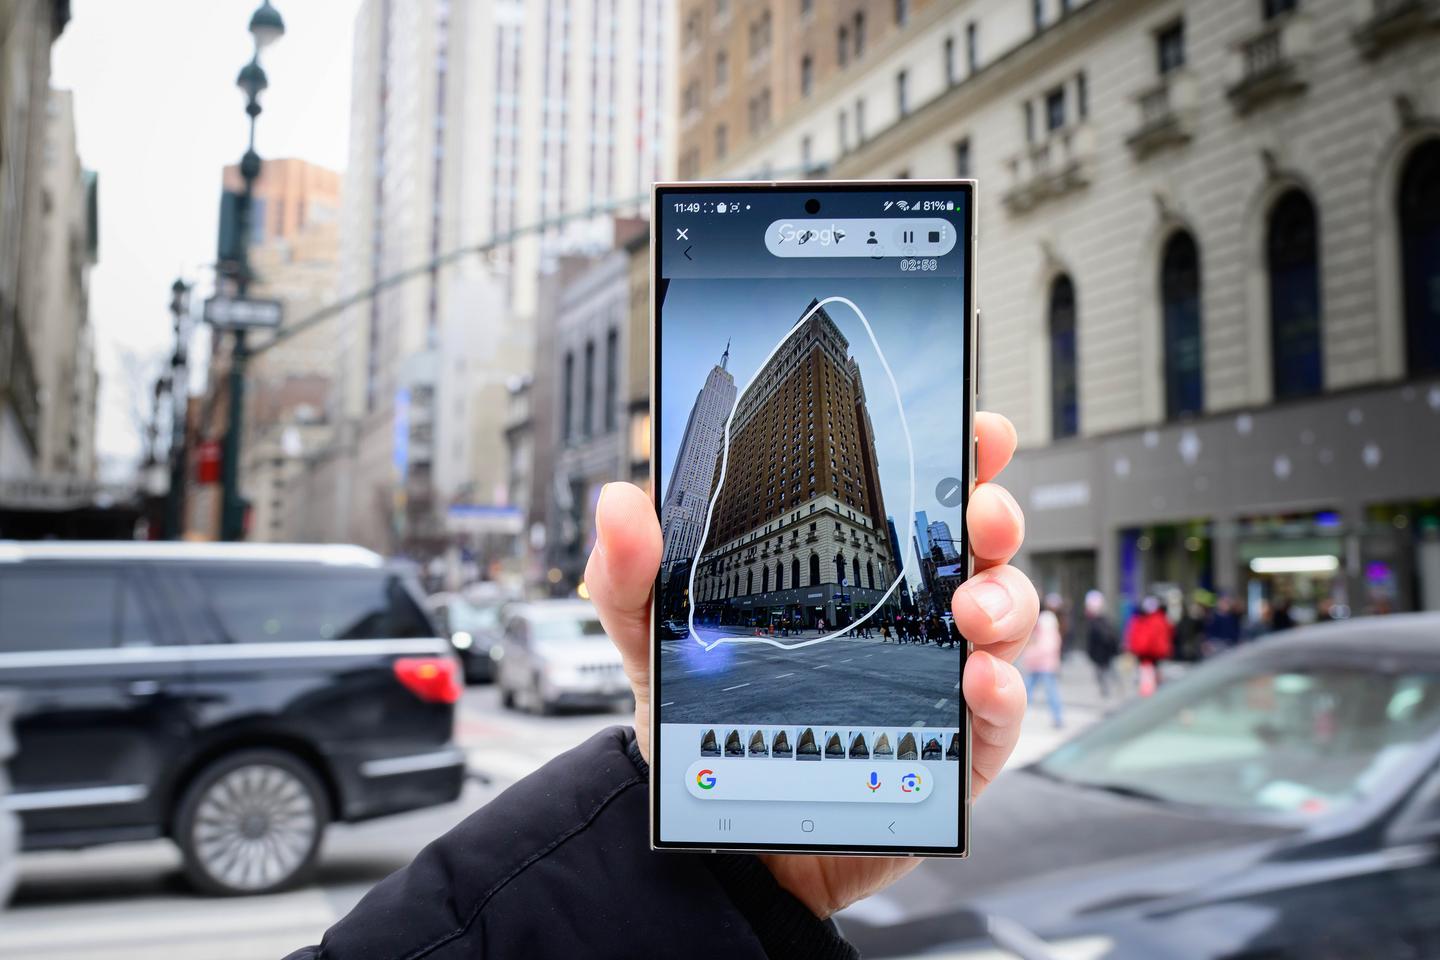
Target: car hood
{"type": "Point", "coordinates": [1046, 853]}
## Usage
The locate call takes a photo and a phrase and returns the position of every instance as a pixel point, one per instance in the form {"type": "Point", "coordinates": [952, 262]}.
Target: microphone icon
{"type": "Point", "coordinates": [874, 783]}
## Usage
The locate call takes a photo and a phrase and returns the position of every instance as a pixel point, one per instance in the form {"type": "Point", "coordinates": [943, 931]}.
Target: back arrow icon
{"type": "Point", "coordinates": [687, 253]}
{"type": "Point", "coordinates": [892, 826]}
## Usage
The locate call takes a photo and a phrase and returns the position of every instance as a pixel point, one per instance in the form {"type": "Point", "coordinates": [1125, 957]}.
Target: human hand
{"type": "Point", "coordinates": [995, 610]}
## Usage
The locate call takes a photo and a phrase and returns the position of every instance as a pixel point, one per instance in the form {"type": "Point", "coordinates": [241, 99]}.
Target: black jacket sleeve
{"type": "Point", "coordinates": [559, 865]}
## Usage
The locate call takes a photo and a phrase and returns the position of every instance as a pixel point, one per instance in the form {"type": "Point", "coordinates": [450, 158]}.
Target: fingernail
{"type": "Point", "coordinates": [992, 598]}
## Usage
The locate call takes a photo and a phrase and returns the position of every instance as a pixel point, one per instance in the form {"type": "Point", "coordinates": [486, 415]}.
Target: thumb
{"type": "Point", "coordinates": [620, 576]}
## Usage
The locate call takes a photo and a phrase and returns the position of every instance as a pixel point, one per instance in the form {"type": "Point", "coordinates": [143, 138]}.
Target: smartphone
{"type": "Point", "coordinates": [813, 396]}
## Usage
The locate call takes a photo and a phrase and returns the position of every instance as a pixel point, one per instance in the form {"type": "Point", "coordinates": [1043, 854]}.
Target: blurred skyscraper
{"type": "Point", "coordinates": [922, 532]}
{"type": "Point", "coordinates": [48, 242]}
{"type": "Point", "coordinates": [938, 535]}
{"type": "Point", "coordinates": [472, 119]}
{"type": "Point", "coordinates": [290, 419]}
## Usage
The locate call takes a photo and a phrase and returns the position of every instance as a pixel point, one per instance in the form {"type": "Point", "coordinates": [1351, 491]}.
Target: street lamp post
{"type": "Point", "coordinates": [266, 27]}
{"type": "Point", "coordinates": [179, 428]}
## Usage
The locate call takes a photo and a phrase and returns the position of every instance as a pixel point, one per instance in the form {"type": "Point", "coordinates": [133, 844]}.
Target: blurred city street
{"type": "Point", "coordinates": [323, 327]}
{"type": "Point", "coordinates": [131, 901]}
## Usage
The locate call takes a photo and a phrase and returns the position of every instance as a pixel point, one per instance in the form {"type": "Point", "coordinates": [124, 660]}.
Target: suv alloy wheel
{"type": "Point", "coordinates": [251, 822]}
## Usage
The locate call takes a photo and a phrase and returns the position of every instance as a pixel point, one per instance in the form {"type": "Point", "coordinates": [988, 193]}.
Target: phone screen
{"type": "Point", "coordinates": [812, 442]}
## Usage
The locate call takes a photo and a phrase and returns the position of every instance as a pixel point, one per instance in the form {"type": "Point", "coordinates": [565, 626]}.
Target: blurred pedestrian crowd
{"type": "Point", "coordinates": [1145, 637]}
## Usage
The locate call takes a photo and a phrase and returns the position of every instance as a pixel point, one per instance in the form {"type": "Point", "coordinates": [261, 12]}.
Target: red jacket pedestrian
{"type": "Point", "coordinates": [1150, 636]}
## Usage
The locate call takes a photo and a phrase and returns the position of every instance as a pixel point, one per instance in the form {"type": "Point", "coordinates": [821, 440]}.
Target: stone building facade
{"type": "Point", "coordinates": [799, 528]}
{"type": "Point", "coordinates": [1206, 271]}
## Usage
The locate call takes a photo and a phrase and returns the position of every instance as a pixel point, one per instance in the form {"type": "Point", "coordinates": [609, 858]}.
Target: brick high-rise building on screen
{"type": "Point", "coordinates": [799, 528]}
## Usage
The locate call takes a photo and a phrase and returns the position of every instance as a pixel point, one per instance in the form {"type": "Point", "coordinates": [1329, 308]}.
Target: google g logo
{"type": "Point", "coordinates": [705, 779]}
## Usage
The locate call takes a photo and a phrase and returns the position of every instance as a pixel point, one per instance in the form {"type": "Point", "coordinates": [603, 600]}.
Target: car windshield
{"type": "Point", "coordinates": [1299, 741]}
{"type": "Point", "coordinates": [566, 629]}
{"type": "Point", "coordinates": [471, 618]}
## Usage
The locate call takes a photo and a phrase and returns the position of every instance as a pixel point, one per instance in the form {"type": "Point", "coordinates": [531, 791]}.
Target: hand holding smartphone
{"type": "Point", "coordinates": [812, 384]}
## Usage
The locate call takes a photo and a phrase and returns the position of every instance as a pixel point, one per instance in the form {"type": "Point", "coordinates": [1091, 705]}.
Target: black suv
{"type": "Point", "coordinates": [234, 698]}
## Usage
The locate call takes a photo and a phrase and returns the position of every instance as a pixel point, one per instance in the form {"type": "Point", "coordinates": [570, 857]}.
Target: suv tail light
{"type": "Point", "coordinates": [432, 679]}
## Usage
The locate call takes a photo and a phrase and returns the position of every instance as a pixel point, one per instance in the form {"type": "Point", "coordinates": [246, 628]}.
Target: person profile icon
{"type": "Point", "coordinates": [874, 245]}
{"type": "Point", "coordinates": [872, 238]}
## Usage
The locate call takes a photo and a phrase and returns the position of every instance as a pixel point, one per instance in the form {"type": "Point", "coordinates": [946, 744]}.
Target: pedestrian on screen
{"type": "Point", "coordinates": [559, 865]}
{"type": "Point", "coordinates": [1151, 639]}
{"type": "Point", "coordinates": [1042, 663]}
{"type": "Point", "coordinates": [1101, 643]}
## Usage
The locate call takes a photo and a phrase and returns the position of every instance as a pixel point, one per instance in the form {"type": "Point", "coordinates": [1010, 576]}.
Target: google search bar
{"type": "Point", "coordinates": [818, 781]}
{"type": "Point", "coordinates": [871, 237]}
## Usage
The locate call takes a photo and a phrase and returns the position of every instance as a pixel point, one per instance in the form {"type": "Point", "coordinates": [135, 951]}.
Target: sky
{"type": "Point", "coordinates": [915, 323]}
{"type": "Point", "coordinates": [157, 117]}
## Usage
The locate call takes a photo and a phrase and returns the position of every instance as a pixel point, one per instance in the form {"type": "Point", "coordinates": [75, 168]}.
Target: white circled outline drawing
{"type": "Point", "coordinates": [724, 463]}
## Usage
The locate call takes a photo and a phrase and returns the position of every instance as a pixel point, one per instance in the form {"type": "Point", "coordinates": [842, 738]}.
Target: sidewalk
{"type": "Point", "coordinates": [1081, 706]}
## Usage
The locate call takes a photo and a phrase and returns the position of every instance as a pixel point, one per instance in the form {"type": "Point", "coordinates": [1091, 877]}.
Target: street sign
{"type": "Point", "coordinates": [234, 313]}
{"type": "Point", "coordinates": [477, 518]}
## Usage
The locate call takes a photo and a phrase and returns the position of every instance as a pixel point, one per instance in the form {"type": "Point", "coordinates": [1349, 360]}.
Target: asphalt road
{"type": "Point", "coordinates": [130, 901]}
{"type": "Point", "coordinates": [842, 681]}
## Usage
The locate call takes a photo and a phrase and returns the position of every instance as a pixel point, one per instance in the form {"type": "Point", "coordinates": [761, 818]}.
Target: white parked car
{"type": "Point", "coordinates": [554, 653]}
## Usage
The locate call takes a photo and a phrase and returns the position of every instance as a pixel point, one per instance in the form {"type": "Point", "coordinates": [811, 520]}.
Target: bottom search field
{"type": "Point", "coordinates": [726, 778]}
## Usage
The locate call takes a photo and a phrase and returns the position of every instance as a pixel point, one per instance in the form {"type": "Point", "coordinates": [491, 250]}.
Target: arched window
{"type": "Point", "coordinates": [779, 575]}
{"type": "Point", "coordinates": [1064, 379]}
{"type": "Point", "coordinates": [855, 569]}
{"type": "Point", "coordinates": [1293, 257]}
{"type": "Point", "coordinates": [870, 573]}
{"type": "Point", "coordinates": [814, 569]}
{"type": "Point", "coordinates": [1420, 257]}
{"type": "Point", "coordinates": [749, 582]}
{"type": "Point", "coordinates": [1180, 314]}
{"type": "Point", "coordinates": [839, 567]}
{"type": "Point", "coordinates": [795, 572]}
{"type": "Point", "coordinates": [765, 579]}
